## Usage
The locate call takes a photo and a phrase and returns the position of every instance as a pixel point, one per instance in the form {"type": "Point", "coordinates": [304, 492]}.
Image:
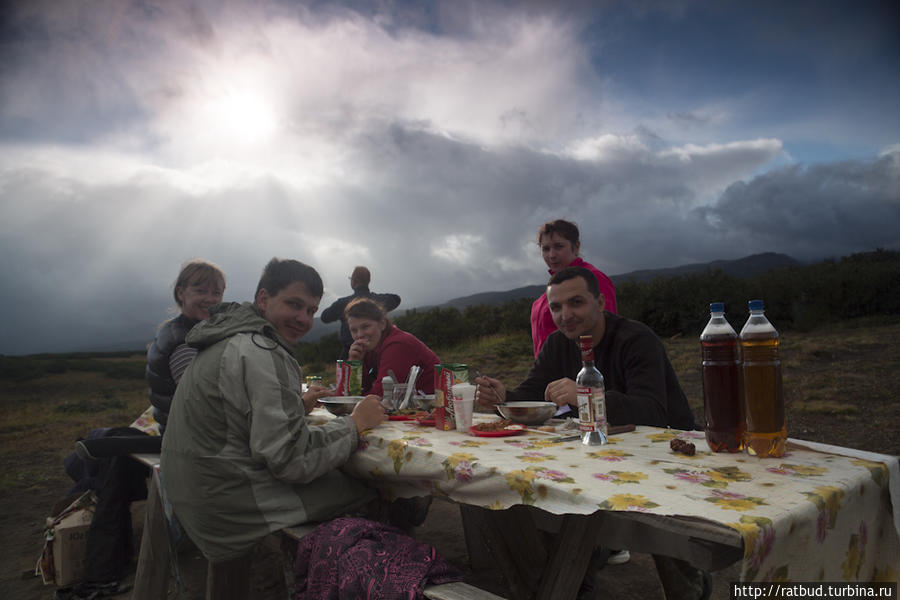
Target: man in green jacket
{"type": "Point", "coordinates": [239, 460]}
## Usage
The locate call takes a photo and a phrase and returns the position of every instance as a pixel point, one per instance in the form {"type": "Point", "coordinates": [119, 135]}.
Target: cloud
{"type": "Point", "coordinates": [181, 76]}
{"type": "Point", "coordinates": [815, 211]}
{"type": "Point", "coordinates": [428, 143]}
{"type": "Point", "coordinates": [435, 218]}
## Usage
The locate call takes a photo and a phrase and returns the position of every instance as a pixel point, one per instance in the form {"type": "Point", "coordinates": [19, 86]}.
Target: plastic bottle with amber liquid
{"type": "Point", "coordinates": [766, 431]}
{"type": "Point", "coordinates": [591, 393]}
{"type": "Point", "coordinates": [721, 371]}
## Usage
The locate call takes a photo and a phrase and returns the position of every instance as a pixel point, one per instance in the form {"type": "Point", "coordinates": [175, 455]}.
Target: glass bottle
{"type": "Point", "coordinates": [766, 431]}
{"type": "Point", "coordinates": [591, 397]}
{"type": "Point", "coordinates": [721, 374]}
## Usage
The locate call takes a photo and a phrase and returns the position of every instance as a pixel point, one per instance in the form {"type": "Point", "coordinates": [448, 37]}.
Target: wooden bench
{"type": "Point", "coordinates": [231, 579]}
{"type": "Point", "coordinates": [457, 590]}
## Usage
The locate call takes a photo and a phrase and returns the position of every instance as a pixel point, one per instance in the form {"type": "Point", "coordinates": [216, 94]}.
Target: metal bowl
{"type": "Point", "coordinates": [425, 402]}
{"type": "Point", "coordinates": [527, 413]}
{"type": "Point", "coordinates": [340, 405]}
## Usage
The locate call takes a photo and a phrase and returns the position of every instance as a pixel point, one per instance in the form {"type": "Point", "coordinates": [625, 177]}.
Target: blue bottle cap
{"type": "Point", "coordinates": [756, 305]}
{"type": "Point", "coordinates": [716, 307]}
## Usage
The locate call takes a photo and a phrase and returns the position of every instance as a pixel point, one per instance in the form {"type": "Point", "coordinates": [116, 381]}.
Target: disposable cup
{"type": "Point", "coordinates": [463, 405]}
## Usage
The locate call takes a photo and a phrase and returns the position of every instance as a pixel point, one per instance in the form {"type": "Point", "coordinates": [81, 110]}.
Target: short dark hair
{"type": "Point", "coordinates": [566, 229]}
{"type": "Point", "coordinates": [573, 272]}
{"type": "Point", "coordinates": [365, 308]}
{"type": "Point", "coordinates": [197, 271]}
{"type": "Point", "coordinates": [282, 272]}
{"type": "Point", "coordinates": [360, 277]}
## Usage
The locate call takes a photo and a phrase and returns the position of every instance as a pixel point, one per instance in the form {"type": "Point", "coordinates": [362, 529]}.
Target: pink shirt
{"type": "Point", "coordinates": [542, 324]}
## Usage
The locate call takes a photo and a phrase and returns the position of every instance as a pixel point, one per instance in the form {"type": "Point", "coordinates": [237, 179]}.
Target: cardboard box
{"type": "Point", "coordinates": [69, 543]}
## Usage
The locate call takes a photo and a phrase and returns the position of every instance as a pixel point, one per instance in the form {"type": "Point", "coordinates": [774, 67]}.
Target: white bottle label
{"type": "Point", "coordinates": [591, 409]}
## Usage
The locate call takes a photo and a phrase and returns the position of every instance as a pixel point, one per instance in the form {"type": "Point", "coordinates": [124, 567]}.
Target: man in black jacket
{"type": "Point", "coordinates": [641, 389]}
{"type": "Point", "coordinates": [359, 282]}
{"type": "Point", "coordinates": [641, 386]}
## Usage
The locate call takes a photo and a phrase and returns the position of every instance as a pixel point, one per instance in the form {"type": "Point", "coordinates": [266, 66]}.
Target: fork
{"type": "Point", "coordinates": [490, 385]}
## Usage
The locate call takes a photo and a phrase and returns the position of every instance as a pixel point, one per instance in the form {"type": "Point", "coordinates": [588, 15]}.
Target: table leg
{"type": "Point", "coordinates": [569, 557]}
{"type": "Point", "coordinates": [151, 580]}
{"type": "Point", "coordinates": [533, 569]}
{"type": "Point", "coordinates": [515, 545]}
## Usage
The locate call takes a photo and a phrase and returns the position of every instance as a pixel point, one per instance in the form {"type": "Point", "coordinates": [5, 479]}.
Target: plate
{"type": "Point", "coordinates": [426, 422]}
{"type": "Point", "coordinates": [508, 430]}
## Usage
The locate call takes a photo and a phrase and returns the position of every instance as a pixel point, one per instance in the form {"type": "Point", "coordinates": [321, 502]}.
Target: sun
{"type": "Point", "coordinates": [242, 116]}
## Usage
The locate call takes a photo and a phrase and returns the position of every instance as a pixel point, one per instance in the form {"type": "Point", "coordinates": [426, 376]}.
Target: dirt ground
{"type": "Point", "coordinates": [21, 546]}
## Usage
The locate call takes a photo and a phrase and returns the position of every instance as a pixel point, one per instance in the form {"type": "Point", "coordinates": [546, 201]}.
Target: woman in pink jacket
{"type": "Point", "coordinates": [559, 242]}
{"type": "Point", "coordinates": [382, 346]}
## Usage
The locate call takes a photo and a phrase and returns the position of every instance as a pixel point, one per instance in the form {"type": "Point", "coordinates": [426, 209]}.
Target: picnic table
{"type": "Point", "coordinates": [819, 513]}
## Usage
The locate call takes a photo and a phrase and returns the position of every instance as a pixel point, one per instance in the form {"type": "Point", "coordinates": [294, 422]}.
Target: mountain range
{"type": "Point", "coordinates": [743, 268]}
{"type": "Point", "coordinates": [748, 266]}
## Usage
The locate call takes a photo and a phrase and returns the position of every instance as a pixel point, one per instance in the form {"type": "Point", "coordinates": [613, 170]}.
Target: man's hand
{"type": "Point", "coordinates": [368, 413]}
{"type": "Point", "coordinates": [561, 392]}
{"type": "Point", "coordinates": [490, 391]}
{"type": "Point", "coordinates": [357, 350]}
{"type": "Point", "coordinates": [313, 394]}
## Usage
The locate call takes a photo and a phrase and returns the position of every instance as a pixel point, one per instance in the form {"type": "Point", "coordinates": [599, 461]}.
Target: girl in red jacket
{"type": "Point", "coordinates": [382, 346]}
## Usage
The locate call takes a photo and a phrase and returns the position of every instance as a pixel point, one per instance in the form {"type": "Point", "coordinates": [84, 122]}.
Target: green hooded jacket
{"type": "Point", "coordinates": [239, 460]}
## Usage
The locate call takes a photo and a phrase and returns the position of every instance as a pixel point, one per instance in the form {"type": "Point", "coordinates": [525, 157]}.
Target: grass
{"type": "Point", "coordinates": [839, 383]}
{"type": "Point", "coordinates": [45, 413]}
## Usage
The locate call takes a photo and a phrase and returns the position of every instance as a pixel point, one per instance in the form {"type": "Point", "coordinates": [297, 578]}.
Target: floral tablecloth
{"type": "Point", "coordinates": [812, 515]}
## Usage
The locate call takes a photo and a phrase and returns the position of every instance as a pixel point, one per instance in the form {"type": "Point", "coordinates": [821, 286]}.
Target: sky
{"type": "Point", "coordinates": [426, 140]}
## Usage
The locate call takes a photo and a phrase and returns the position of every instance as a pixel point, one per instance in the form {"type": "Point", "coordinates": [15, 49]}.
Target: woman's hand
{"type": "Point", "coordinates": [490, 391]}
{"type": "Point", "coordinates": [561, 392]}
{"type": "Point", "coordinates": [368, 413]}
{"type": "Point", "coordinates": [313, 394]}
{"type": "Point", "coordinates": [357, 350]}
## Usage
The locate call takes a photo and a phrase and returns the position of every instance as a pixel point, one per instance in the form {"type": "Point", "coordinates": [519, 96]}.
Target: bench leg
{"type": "Point", "coordinates": [473, 528]}
{"type": "Point", "coordinates": [288, 558]}
{"type": "Point", "coordinates": [228, 580]}
{"type": "Point", "coordinates": [151, 580]}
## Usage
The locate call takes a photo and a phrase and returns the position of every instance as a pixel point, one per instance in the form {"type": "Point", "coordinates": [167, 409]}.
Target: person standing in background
{"type": "Point", "coordinates": [359, 283]}
{"type": "Point", "coordinates": [560, 245]}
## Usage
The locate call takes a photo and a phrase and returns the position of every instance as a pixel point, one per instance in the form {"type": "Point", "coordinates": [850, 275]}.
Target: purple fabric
{"type": "Point", "coordinates": [357, 558]}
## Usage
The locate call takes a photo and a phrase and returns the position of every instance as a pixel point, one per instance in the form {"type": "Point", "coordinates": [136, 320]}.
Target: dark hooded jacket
{"type": "Point", "coordinates": [159, 375]}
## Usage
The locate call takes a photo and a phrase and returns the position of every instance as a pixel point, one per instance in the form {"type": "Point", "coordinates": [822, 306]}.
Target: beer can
{"type": "Point", "coordinates": [348, 377]}
{"type": "Point", "coordinates": [445, 376]}
{"type": "Point", "coordinates": [313, 380]}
